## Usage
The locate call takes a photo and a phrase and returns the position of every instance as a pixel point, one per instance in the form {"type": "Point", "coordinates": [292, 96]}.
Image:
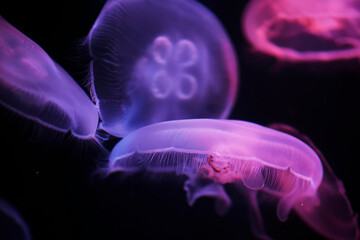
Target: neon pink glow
{"type": "Point", "coordinates": [249, 157]}
{"type": "Point", "coordinates": [34, 86]}
{"type": "Point", "coordinates": [159, 60]}
{"type": "Point", "coordinates": [304, 30]}
{"type": "Point", "coordinates": [331, 215]}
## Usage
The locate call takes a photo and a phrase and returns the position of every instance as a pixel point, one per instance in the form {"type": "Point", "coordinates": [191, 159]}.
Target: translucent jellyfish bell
{"type": "Point", "coordinates": [212, 153]}
{"type": "Point", "coordinates": [304, 30]}
{"type": "Point", "coordinates": [34, 86]}
{"type": "Point", "coordinates": [12, 225]}
{"type": "Point", "coordinates": [159, 60]}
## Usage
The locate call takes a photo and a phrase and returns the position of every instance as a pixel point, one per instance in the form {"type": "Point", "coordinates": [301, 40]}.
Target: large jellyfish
{"type": "Point", "coordinates": [34, 86]}
{"type": "Point", "coordinates": [159, 60]}
{"type": "Point", "coordinates": [304, 30]}
{"type": "Point", "coordinates": [12, 225]}
{"type": "Point", "coordinates": [212, 153]}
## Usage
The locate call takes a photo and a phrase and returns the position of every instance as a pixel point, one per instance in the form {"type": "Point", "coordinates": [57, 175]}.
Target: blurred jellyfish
{"type": "Point", "coordinates": [34, 86]}
{"type": "Point", "coordinates": [304, 30]}
{"type": "Point", "coordinates": [159, 60]}
{"type": "Point", "coordinates": [212, 153]}
{"type": "Point", "coordinates": [12, 226]}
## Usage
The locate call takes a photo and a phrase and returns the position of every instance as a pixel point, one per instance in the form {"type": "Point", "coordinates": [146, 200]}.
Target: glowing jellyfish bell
{"type": "Point", "coordinates": [212, 153]}
{"type": "Point", "coordinates": [12, 224]}
{"type": "Point", "coordinates": [159, 60]}
{"type": "Point", "coordinates": [34, 86]}
{"type": "Point", "coordinates": [304, 30]}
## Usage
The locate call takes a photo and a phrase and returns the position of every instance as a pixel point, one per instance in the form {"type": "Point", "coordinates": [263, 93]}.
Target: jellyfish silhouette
{"type": "Point", "coordinates": [304, 30]}
{"type": "Point", "coordinates": [35, 87]}
{"type": "Point", "coordinates": [159, 60]}
{"type": "Point", "coordinates": [253, 158]}
{"type": "Point", "coordinates": [12, 226]}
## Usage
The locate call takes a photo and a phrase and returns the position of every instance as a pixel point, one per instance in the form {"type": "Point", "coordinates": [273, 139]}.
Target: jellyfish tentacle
{"type": "Point", "coordinates": [256, 221]}
{"type": "Point", "coordinates": [195, 190]}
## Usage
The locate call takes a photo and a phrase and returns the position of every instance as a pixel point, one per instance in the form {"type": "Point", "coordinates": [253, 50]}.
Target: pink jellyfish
{"type": "Point", "coordinates": [159, 60]}
{"type": "Point", "coordinates": [35, 87]}
{"type": "Point", "coordinates": [253, 158]}
{"type": "Point", "coordinates": [308, 30]}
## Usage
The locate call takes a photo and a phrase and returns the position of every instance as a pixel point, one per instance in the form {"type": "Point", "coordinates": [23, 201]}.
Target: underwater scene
{"type": "Point", "coordinates": [179, 119]}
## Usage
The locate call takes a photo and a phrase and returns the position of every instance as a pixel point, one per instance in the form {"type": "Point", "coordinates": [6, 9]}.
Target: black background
{"type": "Point", "coordinates": [51, 178]}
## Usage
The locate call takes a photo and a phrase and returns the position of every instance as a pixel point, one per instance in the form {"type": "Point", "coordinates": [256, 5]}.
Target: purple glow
{"type": "Point", "coordinates": [251, 157]}
{"type": "Point", "coordinates": [34, 86]}
{"type": "Point", "coordinates": [159, 60]}
{"type": "Point", "coordinates": [304, 30]}
{"type": "Point", "coordinates": [332, 215]}
{"type": "Point", "coordinates": [12, 225]}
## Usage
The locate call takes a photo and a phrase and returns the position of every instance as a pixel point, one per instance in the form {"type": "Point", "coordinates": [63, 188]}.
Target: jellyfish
{"type": "Point", "coordinates": [33, 86]}
{"type": "Point", "coordinates": [309, 30]}
{"type": "Point", "coordinates": [212, 153]}
{"type": "Point", "coordinates": [159, 60]}
{"type": "Point", "coordinates": [12, 224]}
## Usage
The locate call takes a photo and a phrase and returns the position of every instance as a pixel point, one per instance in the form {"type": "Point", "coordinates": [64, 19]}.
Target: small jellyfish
{"type": "Point", "coordinates": [253, 158]}
{"type": "Point", "coordinates": [309, 30]}
{"type": "Point", "coordinates": [35, 87]}
{"type": "Point", "coordinates": [159, 60]}
{"type": "Point", "coordinates": [12, 225]}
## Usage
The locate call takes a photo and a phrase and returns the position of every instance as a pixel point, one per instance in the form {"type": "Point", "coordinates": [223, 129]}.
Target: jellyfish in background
{"type": "Point", "coordinates": [35, 87]}
{"type": "Point", "coordinates": [12, 226]}
{"type": "Point", "coordinates": [159, 60]}
{"type": "Point", "coordinates": [309, 30]}
{"type": "Point", "coordinates": [212, 153]}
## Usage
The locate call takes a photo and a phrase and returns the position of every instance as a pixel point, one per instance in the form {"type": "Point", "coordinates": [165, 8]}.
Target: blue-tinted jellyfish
{"type": "Point", "coordinates": [212, 153]}
{"type": "Point", "coordinates": [159, 60]}
{"type": "Point", "coordinates": [12, 225]}
{"type": "Point", "coordinates": [34, 86]}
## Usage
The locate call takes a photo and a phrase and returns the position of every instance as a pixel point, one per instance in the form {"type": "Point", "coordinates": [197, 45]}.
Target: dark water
{"type": "Point", "coordinates": [49, 177]}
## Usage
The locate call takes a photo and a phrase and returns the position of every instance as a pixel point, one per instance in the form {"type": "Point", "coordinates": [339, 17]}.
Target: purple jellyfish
{"type": "Point", "coordinates": [212, 153]}
{"type": "Point", "coordinates": [35, 87]}
{"type": "Point", "coordinates": [159, 60]}
{"type": "Point", "coordinates": [12, 226]}
{"type": "Point", "coordinates": [304, 30]}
